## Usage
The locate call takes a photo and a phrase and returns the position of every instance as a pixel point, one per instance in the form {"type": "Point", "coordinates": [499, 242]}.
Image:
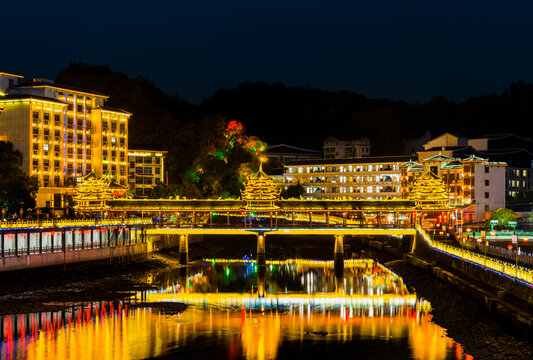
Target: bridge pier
{"type": "Point", "coordinates": [338, 259]}
{"type": "Point", "coordinates": [261, 262]}
{"type": "Point", "coordinates": [184, 249]}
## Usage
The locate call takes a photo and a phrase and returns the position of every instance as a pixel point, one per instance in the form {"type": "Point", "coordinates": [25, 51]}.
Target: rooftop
{"type": "Point", "coordinates": [60, 87]}
{"type": "Point", "coordinates": [364, 160]}
{"type": "Point", "coordinates": [288, 149]}
{"type": "Point", "coordinates": [30, 97]}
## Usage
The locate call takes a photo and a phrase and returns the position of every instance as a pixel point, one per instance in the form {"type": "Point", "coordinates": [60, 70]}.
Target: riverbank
{"type": "Point", "coordinates": [48, 288]}
{"type": "Point", "coordinates": [466, 320]}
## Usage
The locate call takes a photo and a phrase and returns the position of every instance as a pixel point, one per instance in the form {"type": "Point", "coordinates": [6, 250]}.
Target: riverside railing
{"type": "Point", "coordinates": [510, 254]}
{"type": "Point", "coordinates": [501, 267]}
{"type": "Point", "coordinates": [61, 223]}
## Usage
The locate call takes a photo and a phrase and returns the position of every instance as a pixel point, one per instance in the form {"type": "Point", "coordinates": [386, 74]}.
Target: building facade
{"type": "Point", "coordinates": [514, 150]}
{"type": "Point", "coordinates": [346, 149]}
{"type": "Point", "coordinates": [147, 169]}
{"type": "Point", "coordinates": [363, 178]}
{"type": "Point", "coordinates": [472, 181]}
{"type": "Point", "coordinates": [64, 134]}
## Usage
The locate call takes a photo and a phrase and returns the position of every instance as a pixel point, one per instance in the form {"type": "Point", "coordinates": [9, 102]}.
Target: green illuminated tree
{"type": "Point", "coordinates": [503, 216]}
{"type": "Point", "coordinates": [17, 190]}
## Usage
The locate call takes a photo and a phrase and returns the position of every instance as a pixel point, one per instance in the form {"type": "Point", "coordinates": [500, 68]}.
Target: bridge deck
{"type": "Point", "coordinates": [283, 231]}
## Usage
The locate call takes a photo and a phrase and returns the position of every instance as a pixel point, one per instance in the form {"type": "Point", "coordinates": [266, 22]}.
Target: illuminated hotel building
{"type": "Point", "coordinates": [361, 178]}
{"type": "Point", "coordinates": [64, 133]}
{"type": "Point", "coordinates": [147, 169]}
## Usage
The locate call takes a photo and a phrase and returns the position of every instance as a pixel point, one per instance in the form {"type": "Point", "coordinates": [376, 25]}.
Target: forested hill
{"type": "Point", "coordinates": [299, 116]}
{"type": "Point", "coordinates": [303, 116]}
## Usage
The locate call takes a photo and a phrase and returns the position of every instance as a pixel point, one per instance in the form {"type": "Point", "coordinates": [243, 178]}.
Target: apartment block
{"type": "Point", "coordinates": [346, 149]}
{"type": "Point", "coordinates": [363, 178]}
{"type": "Point", "coordinates": [64, 133]}
{"type": "Point", "coordinates": [147, 169]}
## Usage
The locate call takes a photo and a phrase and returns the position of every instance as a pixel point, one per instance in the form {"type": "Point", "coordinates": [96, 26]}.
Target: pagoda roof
{"type": "Point", "coordinates": [455, 164]}
{"type": "Point", "coordinates": [411, 163]}
{"type": "Point", "coordinates": [474, 158]}
{"type": "Point", "coordinates": [439, 157]}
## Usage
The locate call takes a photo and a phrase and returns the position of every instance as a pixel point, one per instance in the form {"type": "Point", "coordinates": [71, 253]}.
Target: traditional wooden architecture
{"type": "Point", "coordinates": [429, 192]}
{"type": "Point", "coordinates": [260, 191]}
{"type": "Point", "coordinates": [92, 193]}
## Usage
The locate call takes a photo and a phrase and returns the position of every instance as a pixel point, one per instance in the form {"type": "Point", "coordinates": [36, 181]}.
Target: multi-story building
{"type": "Point", "coordinates": [147, 169]}
{"type": "Point", "coordinates": [64, 133]}
{"type": "Point", "coordinates": [346, 149]}
{"type": "Point", "coordinates": [514, 150]}
{"type": "Point", "coordinates": [472, 181]}
{"type": "Point", "coordinates": [363, 178]}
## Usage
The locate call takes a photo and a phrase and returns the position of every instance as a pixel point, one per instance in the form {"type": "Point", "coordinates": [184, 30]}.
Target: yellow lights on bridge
{"type": "Point", "coordinates": [501, 267]}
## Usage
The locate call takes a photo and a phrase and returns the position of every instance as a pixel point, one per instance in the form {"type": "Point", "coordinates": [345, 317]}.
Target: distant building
{"type": "Point", "coordinates": [64, 133]}
{"type": "Point", "coordinates": [514, 150]}
{"type": "Point", "coordinates": [281, 154]}
{"type": "Point", "coordinates": [147, 169]}
{"type": "Point", "coordinates": [363, 178]}
{"type": "Point", "coordinates": [346, 149]}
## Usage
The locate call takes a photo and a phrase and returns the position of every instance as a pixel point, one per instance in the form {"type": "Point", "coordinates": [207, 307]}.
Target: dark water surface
{"type": "Point", "coordinates": [303, 311]}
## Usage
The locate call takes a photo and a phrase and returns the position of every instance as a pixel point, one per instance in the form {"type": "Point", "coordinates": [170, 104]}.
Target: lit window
{"type": "Point", "coordinates": [45, 147]}
{"type": "Point", "coordinates": [113, 139]}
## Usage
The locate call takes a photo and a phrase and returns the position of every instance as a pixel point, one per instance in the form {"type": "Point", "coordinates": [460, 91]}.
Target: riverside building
{"type": "Point", "coordinates": [64, 134]}
{"type": "Point", "coordinates": [147, 169]}
{"type": "Point", "coordinates": [361, 178]}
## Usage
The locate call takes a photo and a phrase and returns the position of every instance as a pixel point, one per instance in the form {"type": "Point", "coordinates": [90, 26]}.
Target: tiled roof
{"type": "Point", "coordinates": [363, 160]}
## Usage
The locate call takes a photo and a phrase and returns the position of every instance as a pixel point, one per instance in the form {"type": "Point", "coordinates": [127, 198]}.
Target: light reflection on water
{"type": "Point", "coordinates": [368, 310]}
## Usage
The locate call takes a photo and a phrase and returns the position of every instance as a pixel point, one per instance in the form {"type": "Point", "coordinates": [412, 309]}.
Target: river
{"type": "Point", "coordinates": [237, 310]}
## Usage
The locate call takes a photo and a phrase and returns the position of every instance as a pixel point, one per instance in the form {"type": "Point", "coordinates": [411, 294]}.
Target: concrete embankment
{"type": "Point", "coordinates": [117, 254]}
{"type": "Point", "coordinates": [479, 284]}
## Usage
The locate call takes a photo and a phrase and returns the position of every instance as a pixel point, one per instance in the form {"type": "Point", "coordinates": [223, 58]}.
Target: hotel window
{"type": "Point", "coordinates": [524, 173]}
{"type": "Point", "coordinates": [80, 108]}
{"type": "Point", "coordinates": [105, 167]}
{"type": "Point", "coordinates": [113, 140]}
{"type": "Point", "coordinates": [35, 131]}
{"type": "Point", "coordinates": [486, 183]}
{"type": "Point", "coordinates": [122, 128]}
{"type": "Point", "coordinates": [45, 147]}
{"type": "Point", "coordinates": [486, 169]}
{"type": "Point", "coordinates": [104, 125]}
{"type": "Point", "coordinates": [148, 171]}
{"type": "Point", "coordinates": [139, 160]}
{"type": "Point", "coordinates": [35, 115]}
{"type": "Point", "coordinates": [113, 126]}
{"type": "Point", "coordinates": [158, 171]}
{"type": "Point", "coordinates": [57, 120]}
{"type": "Point", "coordinates": [486, 195]}
{"type": "Point", "coordinates": [80, 123]}
{"type": "Point", "coordinates": [70, 107]}
{"type": "Point", "coordinates": [104, 141]}
{"type": "Point", "coordinates": [157, 160]}
{"type": "Point", "coordinates": [122, 142]}
{"type": "Point", "coordinates": [46, 118]}
{"type": "Point", "coordinates": [147, 160]}
{"type": "Point", "coordinates": [70, 123]}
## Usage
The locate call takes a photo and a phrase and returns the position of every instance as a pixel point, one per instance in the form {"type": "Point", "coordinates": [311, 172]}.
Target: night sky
{"type": "Point", "coordinates": [411, 50]}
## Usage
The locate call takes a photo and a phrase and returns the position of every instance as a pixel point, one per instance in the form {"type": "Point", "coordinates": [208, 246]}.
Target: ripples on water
{"type": "Point", "coordinates": [304, 311]}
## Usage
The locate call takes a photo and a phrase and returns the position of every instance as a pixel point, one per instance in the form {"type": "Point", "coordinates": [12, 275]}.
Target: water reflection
{"type": "Point", "coordinates": [374, 315]}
